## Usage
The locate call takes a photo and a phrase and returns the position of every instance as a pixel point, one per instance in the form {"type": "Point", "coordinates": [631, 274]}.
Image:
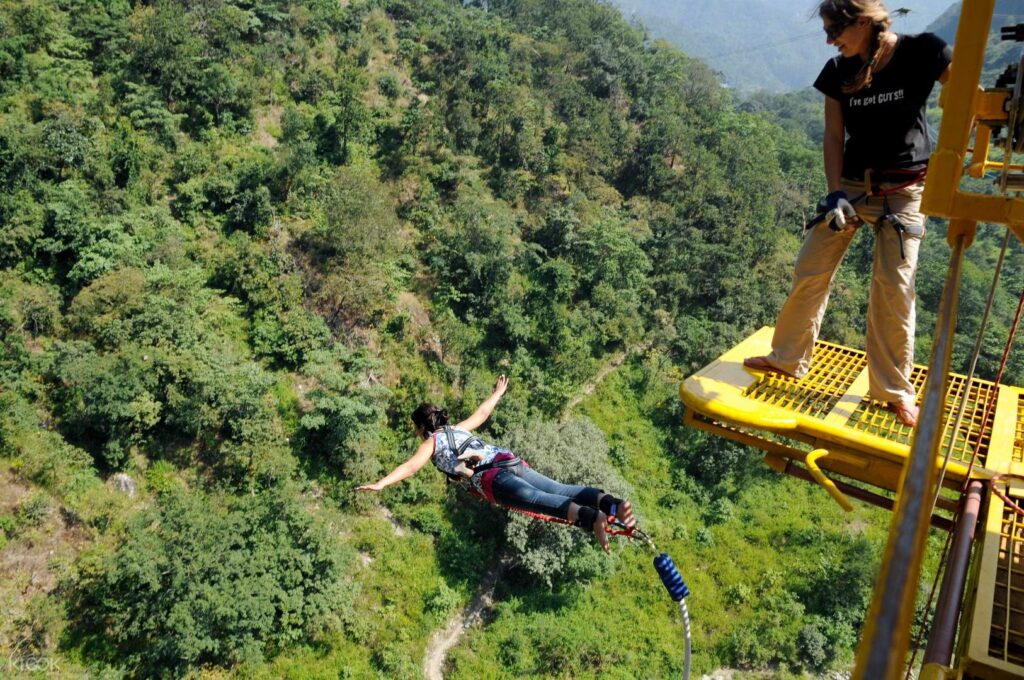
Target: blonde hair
{"type": "Point", "coordinates": [848, 11]}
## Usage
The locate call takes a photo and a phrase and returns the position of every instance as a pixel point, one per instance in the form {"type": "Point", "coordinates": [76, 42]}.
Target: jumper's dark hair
{"type": "Point", "coordinates": [848, 11]}
{"type": "Point", "coordinates": [429, 417]}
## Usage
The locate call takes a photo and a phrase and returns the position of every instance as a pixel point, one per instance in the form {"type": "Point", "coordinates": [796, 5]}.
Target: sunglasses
{"type": "Point", "coordinates": [835, 30]}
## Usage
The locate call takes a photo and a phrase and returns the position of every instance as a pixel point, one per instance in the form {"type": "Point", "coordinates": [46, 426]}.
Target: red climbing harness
{"type": "Point", "coordinates": [615, 527]}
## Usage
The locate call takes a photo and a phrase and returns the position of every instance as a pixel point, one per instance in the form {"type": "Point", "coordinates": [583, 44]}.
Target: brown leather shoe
{"type": "Point", "coordinates": [762, 364]}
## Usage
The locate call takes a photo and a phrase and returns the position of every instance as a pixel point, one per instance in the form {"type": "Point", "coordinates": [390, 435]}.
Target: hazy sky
{"type": "Point", "coordinates": [771, 44]}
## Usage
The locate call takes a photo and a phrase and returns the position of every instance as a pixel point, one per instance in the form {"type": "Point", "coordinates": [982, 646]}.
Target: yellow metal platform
{"type": "Point", "coordinates": [826, 421]}
{"type": "Point", "coordinates": [828, 410]}
{"type": "Point", "coordinates": [994, 640]}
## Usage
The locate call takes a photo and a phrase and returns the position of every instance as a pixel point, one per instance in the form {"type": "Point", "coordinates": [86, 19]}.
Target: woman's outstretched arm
{"type": "Point", "coordinates": [406, 469]}
{"type": "Point", "coordinates": [483, 411]}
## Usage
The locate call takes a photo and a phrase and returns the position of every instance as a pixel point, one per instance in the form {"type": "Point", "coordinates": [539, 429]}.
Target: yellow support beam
{"type": "Point", "coordinates": [947, 161]}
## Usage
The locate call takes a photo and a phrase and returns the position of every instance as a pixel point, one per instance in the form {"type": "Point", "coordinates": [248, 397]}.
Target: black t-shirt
{"type": "Point", "coordinates": [885, 122]}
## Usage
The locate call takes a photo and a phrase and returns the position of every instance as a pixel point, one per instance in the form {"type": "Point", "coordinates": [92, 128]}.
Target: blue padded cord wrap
{"type": "Point", "coordinates": [670, 577]}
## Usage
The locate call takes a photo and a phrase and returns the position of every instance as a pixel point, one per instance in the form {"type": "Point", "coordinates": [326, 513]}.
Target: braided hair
{"type": "Point", "coordinates": [848, 11]}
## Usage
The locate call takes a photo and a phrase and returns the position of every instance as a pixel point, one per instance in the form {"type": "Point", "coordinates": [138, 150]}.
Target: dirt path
{"type": "Point", "coordinates": [386, 514]}
{"type": "Point", "coordinates": [446, 638]}
{"type": "Point", "coordinates": [613, 363]}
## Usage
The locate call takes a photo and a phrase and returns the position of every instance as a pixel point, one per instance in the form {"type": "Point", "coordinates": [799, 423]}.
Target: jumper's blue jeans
{"type": "Point", "coordinates": [525, 488]}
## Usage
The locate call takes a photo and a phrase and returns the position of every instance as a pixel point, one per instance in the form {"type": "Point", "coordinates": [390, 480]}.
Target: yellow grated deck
{"type": "Point", "coordinates": [829, 409]}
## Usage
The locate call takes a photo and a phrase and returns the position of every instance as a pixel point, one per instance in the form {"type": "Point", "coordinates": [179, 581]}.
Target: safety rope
{"type": "Point", "coordinates": [1002, 366]}
{"type": "Point", "coordinates": [970, 373]}
{"type": "Point", "coordinates": [663, 564]}
{"type": "Point", "coordinates": [678, 591]}
{"type": "Point", "coordinates": [615, 527]}
{"type": "Point", "coordinates": [977, 450]}
{"type": "Point", "coordinates": [1005, 497]}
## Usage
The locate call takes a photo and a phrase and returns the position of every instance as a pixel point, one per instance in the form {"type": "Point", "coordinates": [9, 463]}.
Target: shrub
{"type": "Point", "coordinates": [812, 647]}
{"type": "Point", "coordinates": [342, 425]}
{"type": "Point", "coordinates": [389, 86]}
{"type": "Point", "coordinates": [34, 510]}
{"type": "Point", "coordinates": [200, 580]}
{"type": "Point", "coordinates": [573, 453]}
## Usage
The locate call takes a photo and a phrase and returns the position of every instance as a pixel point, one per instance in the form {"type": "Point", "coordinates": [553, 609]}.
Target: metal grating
{"type": "Point", "coordinates": [833, 371]}
{"type": "Point", "coordinates": [971, 429]}
{"type": "Point", "coordinates": [875, 418]}
{"type": "Point", "coordinates": [1006, 640]}
{"type": "Point", "coordinates": [1018, 436]}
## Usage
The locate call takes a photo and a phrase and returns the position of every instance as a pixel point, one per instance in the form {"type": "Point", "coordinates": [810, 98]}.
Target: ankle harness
{"type": "Point", "coordinates": [585, 517]}
{"type": "Point", "coordinates": [609, 505]}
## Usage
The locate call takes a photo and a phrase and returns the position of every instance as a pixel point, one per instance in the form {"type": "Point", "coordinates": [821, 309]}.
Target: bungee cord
{"type": "Point", "coordinates": [975, 354]}
{"type": "Point", "coordinates": [663, 564]}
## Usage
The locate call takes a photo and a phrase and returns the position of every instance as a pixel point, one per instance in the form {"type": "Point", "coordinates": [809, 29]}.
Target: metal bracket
{"type": "Point", "coordinates": [811, 461]}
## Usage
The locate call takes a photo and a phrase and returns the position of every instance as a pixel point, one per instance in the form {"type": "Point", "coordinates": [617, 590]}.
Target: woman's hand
{"type": "Point", "coordinates": [483, 411]}
{"type": "Point", "coordinates": [464, 470]}
{"type": "Point", "coordinates": [472, 458]}
{"type": "Point", "coordinates": [376, 486]}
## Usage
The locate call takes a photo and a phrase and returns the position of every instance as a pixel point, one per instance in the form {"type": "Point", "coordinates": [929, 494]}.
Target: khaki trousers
{"type": "Point", "coordinates": [891, 312]}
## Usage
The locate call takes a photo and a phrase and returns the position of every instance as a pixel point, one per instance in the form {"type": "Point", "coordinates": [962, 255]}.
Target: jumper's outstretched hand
{"type": "Point", "coordinates": [376, 486]}
{"type": "Point", "coordinates": [501, 385]}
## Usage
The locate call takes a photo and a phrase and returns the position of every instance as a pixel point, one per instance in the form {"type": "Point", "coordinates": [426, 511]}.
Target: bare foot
{"type": "Point", "coordinates": [600, 532]}
{"type": "Point", "coordinates": [907, 412]}
{"type": "Point", "coordinates": [624, 513]}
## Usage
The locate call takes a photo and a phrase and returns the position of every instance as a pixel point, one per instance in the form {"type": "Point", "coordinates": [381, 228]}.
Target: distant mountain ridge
{"type": "Point", "coordinates": [999, 53]}
{"type": "Point", "coordinates": [774, 45]}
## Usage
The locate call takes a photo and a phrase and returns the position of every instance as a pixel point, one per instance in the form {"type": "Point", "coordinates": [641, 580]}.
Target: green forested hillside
{"type": "Point", "coordinates": [999, 53]}
{"type": "Point", "coordinates": [242, 239]}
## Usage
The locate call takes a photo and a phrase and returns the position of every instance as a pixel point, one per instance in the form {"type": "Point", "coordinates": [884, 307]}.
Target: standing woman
{"type": "Point", "coordinates": [876, 138]}
{"type": "Point", "coordinates": [500, 476]}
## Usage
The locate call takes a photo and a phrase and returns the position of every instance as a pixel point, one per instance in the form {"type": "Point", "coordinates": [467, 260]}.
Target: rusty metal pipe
{"type": "Point", "coordinates": [947, 608]}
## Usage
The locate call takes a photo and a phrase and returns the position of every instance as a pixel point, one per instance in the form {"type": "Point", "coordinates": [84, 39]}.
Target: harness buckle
{"type": "Point", "coordinates": [899, 225]}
